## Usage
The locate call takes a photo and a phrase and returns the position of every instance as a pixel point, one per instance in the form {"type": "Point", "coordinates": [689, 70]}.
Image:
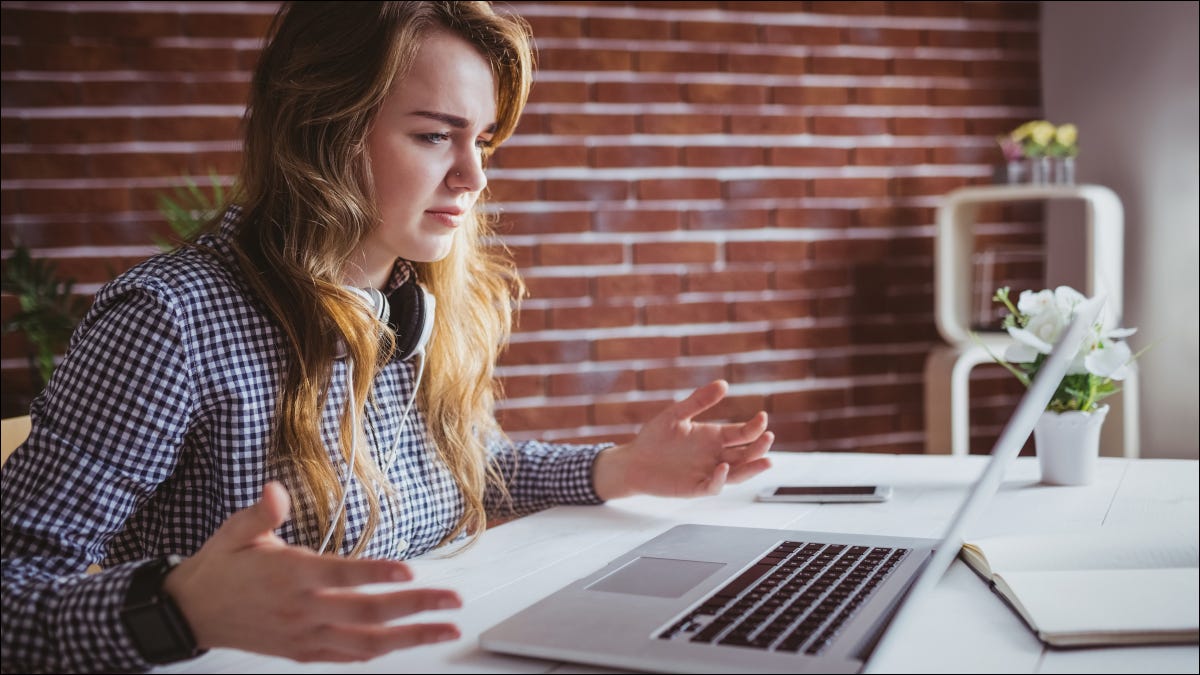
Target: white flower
{"type": "Point", "coordinates": [1048, 326]}
{"type": "Point", "coordinates": [1047, 314]}
{"type": "Point", "coordinates": [1110, 359]}
{"type": "Point", "coordinates": [1027, 346]}
{"type": "Point", "coordinates": [1032, 303]}
{"type": "Point", "coordinates": [1067, 298]}
{"type": "Point", "coordinates": [1035, 303]}
{"type": "Point", "coordinates": [1039, 320]}
{"type": "Point", "coordinates": [1118, 333]}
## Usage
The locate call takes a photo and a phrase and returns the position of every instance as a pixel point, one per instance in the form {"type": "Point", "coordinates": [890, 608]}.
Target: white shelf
{"type": "Point", "coordinates": [948, 367]}
{"type": "Point", "coordinates": [1105, 232]}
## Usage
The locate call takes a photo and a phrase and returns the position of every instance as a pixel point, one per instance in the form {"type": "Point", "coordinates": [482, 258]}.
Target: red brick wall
{"type": "Point", "coordinates": [742, 190]}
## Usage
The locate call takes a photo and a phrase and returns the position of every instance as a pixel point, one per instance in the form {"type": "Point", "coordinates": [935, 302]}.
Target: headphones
{"type": "Point", "coordinates": [408, 312]}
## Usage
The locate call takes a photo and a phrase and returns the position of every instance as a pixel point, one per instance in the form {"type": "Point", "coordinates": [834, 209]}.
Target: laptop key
{"type": "Point", "coordinates": [795, 598]}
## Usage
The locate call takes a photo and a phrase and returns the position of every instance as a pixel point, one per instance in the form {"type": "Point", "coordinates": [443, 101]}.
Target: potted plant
{"type": "Point", "coordinates": [49, 309]}
{"type": "Point", "coordinates": [1062, 151]}
{"type": "Point", "coordinates": [1068, 434]}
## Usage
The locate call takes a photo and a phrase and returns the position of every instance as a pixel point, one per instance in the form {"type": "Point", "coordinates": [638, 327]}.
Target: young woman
{"type": "Point", "coordinates": [247, 429]}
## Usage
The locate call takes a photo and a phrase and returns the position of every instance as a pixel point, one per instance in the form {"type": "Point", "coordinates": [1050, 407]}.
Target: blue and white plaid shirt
{"type": "Point", "coordinates": [155, 429]}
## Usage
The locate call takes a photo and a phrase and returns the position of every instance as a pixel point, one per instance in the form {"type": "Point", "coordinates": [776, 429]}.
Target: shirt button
{"type": "Point", "coordinates": [401, 546]}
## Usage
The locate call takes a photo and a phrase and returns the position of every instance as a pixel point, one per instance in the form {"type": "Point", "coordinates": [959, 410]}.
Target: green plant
{"type": "Point", "coordinates": [1065, 143]}
{"type": "Point", "coordinates": [188, 208]}
{"type": "Point", "coordinates": [49, 308]}
{"type": "Point", "coordinates": [1037, 321]}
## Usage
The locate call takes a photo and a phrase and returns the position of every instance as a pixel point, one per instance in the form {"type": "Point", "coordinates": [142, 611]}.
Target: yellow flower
{"type": "Point", "coordinates": [1020, 133]}
{"type": "Point", "coordinates": [1038, 138]}
{"type": "Point", "coordinates": [1065, 142]}
{"type": "Point", "coordinates": [1042, 132]}
{"type": "Point", "coordinates": [1066, 135]}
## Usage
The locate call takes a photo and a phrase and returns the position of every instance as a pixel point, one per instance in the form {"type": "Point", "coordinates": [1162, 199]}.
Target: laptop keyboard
{"type": "Point", "coordinates": [796, 598]}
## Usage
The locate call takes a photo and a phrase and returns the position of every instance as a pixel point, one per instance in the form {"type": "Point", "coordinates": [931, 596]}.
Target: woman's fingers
{"type": "Point", "coordinates": [743, 472]}
{"type": "Point", "coordinates": [255, 525]}
{"type": "Point", "coordinates": [340, 607]}
{"type": "Point", "coordinates": [740, 434]}
{"type": "Point", "coordinates": [749, 451]}
{"type": "Point", "coordinates": [716, 480]}
{"type": "Point", "coordinates": [343, 643]}
{"type": "Point", "coordinates": [359, 642]}
{"type": "Point", "coordinates": [338, 572]}
{"type": "Point", "coordinates": [700, 400]}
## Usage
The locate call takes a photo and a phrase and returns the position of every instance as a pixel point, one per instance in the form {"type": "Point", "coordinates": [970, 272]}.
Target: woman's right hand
{"type": "Point", "coordinates": [247, 589]}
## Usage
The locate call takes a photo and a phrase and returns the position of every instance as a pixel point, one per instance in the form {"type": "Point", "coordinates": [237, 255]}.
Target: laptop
{"type": "Point", "coordinates": [701, 598]}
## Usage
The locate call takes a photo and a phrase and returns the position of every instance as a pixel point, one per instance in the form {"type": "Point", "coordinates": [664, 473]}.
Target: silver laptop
{"type": "Point", "coordinates": [701, 598]}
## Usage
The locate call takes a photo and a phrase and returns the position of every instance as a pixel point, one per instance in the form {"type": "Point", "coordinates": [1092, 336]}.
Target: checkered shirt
{"type": "Point", "coordinates": [154, 429]}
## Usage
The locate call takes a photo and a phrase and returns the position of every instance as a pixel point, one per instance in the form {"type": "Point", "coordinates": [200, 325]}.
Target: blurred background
{"type": "Point", "coordinates": [744, 190]}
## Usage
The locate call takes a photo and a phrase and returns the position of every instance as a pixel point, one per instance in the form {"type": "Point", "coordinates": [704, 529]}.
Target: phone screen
{"type": "Point", "coordinates": [826, 493]}
{"type": "Point", "coordinates": [796, 490]}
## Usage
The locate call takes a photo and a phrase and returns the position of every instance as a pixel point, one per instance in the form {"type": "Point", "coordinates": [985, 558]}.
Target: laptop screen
{"type": "Point", "coordinates": [1007, 447]}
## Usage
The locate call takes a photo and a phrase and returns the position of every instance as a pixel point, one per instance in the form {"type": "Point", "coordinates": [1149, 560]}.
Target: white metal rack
{"type": "Point", "coordinates": [948, 367]}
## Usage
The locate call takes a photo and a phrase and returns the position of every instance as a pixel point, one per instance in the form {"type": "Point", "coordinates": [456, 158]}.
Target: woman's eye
{"type": "Point", "coordinates": [435, 138]}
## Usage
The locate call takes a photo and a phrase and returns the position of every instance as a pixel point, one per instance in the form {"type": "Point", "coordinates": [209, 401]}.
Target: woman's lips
{"type": "Point", "coordinates": [447, 217]}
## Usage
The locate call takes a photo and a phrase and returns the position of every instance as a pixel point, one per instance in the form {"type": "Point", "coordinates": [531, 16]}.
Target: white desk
{"type": "Point", "coordinates": [966, 628]}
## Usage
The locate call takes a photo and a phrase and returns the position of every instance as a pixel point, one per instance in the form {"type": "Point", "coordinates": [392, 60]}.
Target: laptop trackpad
{"type": "Point", "coordinates": [662, 577]}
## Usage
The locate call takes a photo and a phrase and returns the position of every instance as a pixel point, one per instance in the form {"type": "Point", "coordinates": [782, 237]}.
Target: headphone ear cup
{"type": "Point", "coordinates": [411, 319]}
{"type": "Point", "coordinates": [375, 300]}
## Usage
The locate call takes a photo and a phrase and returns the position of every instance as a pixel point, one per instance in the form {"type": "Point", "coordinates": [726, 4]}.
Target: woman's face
{"type": "Point", "coordinates": [424, 151]}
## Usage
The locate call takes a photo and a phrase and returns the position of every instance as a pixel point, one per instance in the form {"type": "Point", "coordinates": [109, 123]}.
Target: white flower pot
{"type": "Point", "coordinates": [1068, 445]}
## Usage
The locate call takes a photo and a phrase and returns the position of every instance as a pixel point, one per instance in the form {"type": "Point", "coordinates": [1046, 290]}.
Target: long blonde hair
{"type": "Point", "coordinates": [305, 190]}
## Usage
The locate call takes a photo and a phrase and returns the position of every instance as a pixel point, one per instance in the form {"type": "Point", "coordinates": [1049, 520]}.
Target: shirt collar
{"type": "Point", "coordinates": [402, 273]}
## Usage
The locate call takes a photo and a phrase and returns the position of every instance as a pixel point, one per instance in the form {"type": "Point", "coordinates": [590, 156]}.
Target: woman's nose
{"type": "Point", "coordinates": [468, 175]}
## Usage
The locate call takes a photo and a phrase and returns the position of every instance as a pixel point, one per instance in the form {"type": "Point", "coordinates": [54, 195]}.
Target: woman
{"type": "Point", "coordinates": [203, 382]}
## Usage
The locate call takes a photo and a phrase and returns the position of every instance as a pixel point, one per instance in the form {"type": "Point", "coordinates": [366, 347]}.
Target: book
{"type": "Point", "coordinates": [1106, 587]}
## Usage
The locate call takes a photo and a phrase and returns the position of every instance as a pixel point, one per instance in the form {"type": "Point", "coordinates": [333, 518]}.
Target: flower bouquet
{"type": "Point", "coordinates": [1037, 321]}
{"type": "Point", "coordinates": [1065, 142]}
{"type": "Point", "coordinates": [1035, 138]}
{"type": "Point", "coordinates": [1067, 435]}
{"type": "Point", "coordinates": [1040, 143]}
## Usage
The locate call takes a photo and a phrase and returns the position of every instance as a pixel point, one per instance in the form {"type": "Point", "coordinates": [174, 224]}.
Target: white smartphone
{"type": "Point", "coordinates": [826, 493]}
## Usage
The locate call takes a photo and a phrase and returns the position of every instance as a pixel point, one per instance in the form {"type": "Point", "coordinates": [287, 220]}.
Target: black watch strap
{"type": "Point", "coordinates": [157, 627]}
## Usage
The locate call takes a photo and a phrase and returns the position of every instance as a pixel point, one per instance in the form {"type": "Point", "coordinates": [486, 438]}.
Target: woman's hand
{"type": "Point", "coordinates": [247, 589]}
{"type": "Point", "coordinates": [673, 456]}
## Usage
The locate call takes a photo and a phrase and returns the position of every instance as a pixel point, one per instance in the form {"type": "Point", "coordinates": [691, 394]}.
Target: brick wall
{"type": "Point", "coordinates": [742, 190]}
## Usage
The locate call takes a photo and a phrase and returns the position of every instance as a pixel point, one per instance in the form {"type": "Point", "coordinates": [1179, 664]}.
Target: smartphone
{"type": "Point", "coordinates": [826, 493]}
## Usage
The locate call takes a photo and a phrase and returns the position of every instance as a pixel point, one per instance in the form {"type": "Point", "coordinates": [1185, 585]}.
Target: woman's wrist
{"type": "Point", "coordinates": [610, 473]}
{"type": "Point", "coordinates": [174, 585]}
{"type": "Point", "coordinates": [152, 618]}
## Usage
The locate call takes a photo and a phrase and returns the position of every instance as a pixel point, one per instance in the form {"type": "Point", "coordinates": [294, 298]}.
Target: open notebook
{"type": "Point", "coordinates": [701, 598]}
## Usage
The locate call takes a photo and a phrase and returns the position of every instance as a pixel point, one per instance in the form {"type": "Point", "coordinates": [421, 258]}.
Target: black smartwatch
{"type": "Point", "coordinates": [157, 627]}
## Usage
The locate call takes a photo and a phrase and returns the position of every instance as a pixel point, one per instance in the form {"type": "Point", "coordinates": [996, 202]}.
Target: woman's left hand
{"type": "Point", "coordinates": [674, 456]}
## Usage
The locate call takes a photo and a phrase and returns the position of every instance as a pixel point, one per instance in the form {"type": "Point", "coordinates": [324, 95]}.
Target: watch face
{"type": "Point", "coordinates": [153, 635]}
{"type": "Point", "coordinates": [155, 625]}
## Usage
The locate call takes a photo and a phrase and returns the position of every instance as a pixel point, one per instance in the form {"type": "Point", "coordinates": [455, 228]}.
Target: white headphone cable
{"type": "Point", "coordinates": [354, 439]}
{"type": "Point", "coordinates": [353, 453]}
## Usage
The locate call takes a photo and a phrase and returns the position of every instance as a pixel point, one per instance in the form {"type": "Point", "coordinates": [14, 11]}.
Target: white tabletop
{"type": "Point", "coordinates": [963, 626]}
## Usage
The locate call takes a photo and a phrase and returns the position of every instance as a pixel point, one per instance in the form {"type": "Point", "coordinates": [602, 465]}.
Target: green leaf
{"type": "Point", "coordinates": [50, 310]}
{"type": "Point", "coordinates": [188, 208]}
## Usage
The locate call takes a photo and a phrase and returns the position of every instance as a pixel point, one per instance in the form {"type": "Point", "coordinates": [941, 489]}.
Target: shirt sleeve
{"type": "Point", "coordinates": [540, 475]}
{"type": "Point", "coordinates": [106, 432]}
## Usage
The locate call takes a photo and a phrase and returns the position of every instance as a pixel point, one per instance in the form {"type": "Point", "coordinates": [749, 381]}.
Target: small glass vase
{"type": "Point", "coordinates": [1068, 445]}
{"type": "Point", "coordinates": [1015, 171]}
{"type": "Point", "coordinates": [1064, 170]}
{"type": "Point", "coordinates": [1039, 170]}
